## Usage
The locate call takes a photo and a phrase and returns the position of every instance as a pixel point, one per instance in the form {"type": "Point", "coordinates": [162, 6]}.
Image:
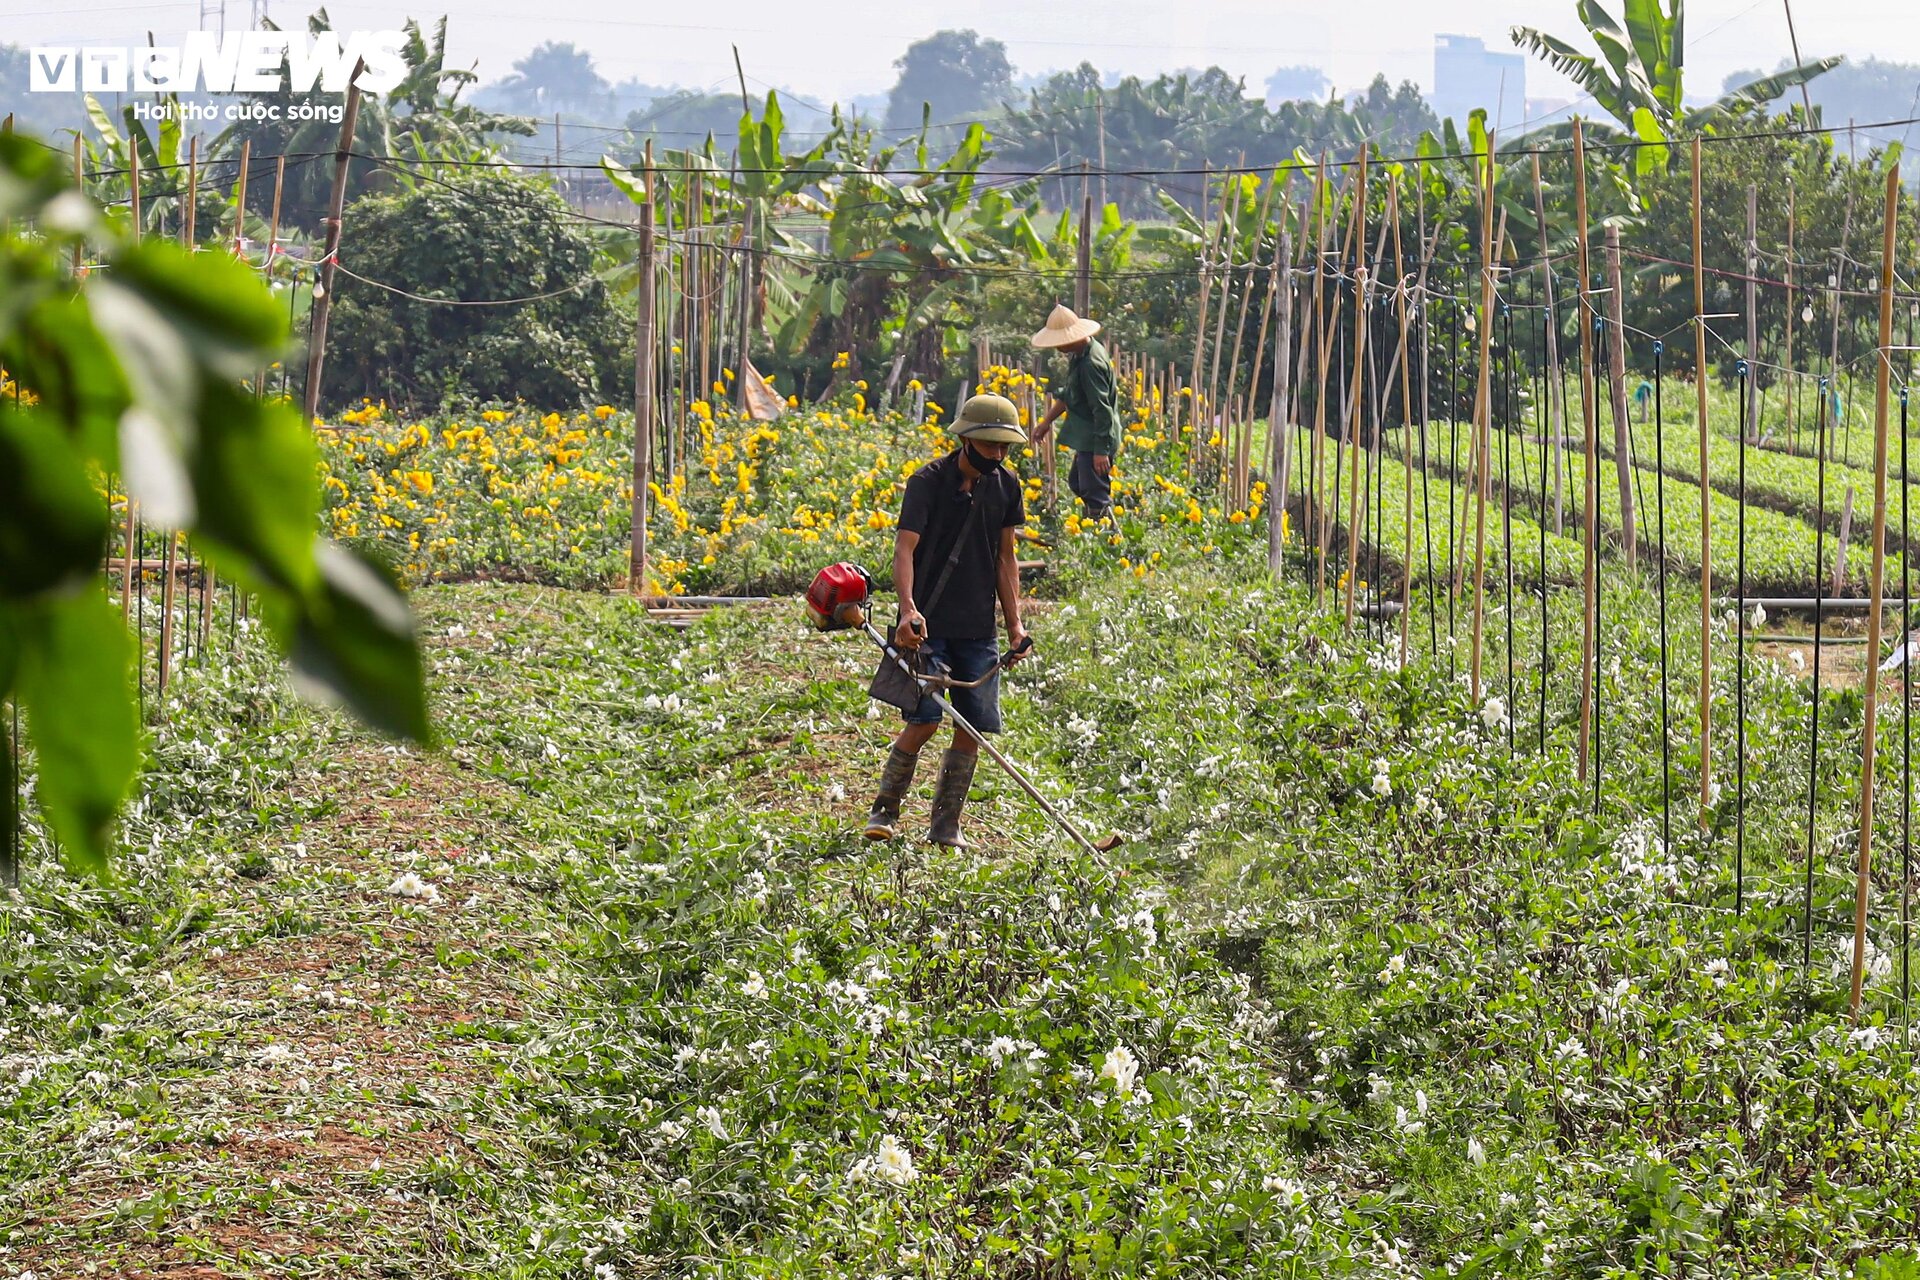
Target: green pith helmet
{"type": "Point", "coordinates": [990, 418]}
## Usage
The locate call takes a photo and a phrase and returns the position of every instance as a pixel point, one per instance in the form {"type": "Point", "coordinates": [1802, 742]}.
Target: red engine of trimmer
{"type": "Point", "coordinates": [838, 597]}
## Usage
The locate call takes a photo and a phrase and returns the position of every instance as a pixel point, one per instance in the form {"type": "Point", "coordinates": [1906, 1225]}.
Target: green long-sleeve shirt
{"type": "Point", "coordinates": [1093, 406]}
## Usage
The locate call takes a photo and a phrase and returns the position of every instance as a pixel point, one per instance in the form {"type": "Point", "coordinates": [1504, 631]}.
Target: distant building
{"type": "Point", "coordinates": [1466, 75]}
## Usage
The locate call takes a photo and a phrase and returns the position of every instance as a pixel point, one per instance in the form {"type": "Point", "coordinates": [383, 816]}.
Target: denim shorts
{"type": "Point", "coordinates": [965, 660]}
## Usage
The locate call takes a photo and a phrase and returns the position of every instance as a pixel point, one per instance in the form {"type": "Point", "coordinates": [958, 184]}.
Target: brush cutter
{"type": "Point", "coordinates": [841, 599]}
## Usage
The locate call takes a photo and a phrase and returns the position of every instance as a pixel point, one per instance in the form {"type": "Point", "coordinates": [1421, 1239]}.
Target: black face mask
{"type": "Point", "coordinates": [980, 462]}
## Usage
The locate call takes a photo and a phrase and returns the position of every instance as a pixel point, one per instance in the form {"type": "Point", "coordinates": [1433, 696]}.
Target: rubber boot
{"type": "Point", "coordinates": [950, 797]}
{"type": "Point", "coordinates": [895, 777]}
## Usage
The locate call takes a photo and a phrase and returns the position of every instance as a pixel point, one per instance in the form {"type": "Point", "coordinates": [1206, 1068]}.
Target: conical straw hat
{"type": "Point", "coordinates": [1065, 328]}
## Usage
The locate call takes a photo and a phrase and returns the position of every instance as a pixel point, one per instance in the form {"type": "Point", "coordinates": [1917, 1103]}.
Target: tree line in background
{"type": "Point", "coordinates": [905, 250]}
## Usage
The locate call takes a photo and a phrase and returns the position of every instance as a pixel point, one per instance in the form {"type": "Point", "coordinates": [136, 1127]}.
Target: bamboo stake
{"type": "Point", "coordinates": [1310, 490]}
{"type": "Point", "coordinates": [1553, 421]}
{"type": "Point", "coordinates": [643, 353]}
{"type": "Point", "coordinates": [240, 200]}
{"type": "Point", "coordinates": [1706, 508]}
{"type": "Point", "coordinates": [1242, 430]}
{"type": "Point", "coordinates": [1406, 417]}
{"type": "Point", "coordinates": [1881, 377]}
{"type": "Point", "coordinates": [336, 204]}
{"type": "Point", "coordinates": [273, 239]}
{"type": "Point", "coordinates": [80, 183]}
{"type": "Point", "coordinates": [133, 507]}
{"type": "Point", "coordinates": [1590, 501]}
{"type": "Point", "coordinates": [1617, 380]}
{"type": "Point", "coordinates": [1360, 513]}
{"type": "Point", "coordinates": [1279, 438]}
{"type": "Point", "coordinates": [1361, 282]}
{"type": "Point", "coordinates": [1229, 245]}
{"type": "Point", "coordinates": [1490, 251]}
{"type": "Point", "coordinates": [1259, 364]}
{"type": "Point", "coordinates": [1786, 359]}
{"type": "Point", "coordinates": [1482, 387]}
{"type": "Point", "coordinates": [1200, 326]}
{"type": "Point", "coordinates": [1323, 522]}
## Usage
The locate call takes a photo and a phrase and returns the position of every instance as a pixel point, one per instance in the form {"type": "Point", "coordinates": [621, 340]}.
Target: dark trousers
{"type": "Point", "coordinates": [1094, 490]}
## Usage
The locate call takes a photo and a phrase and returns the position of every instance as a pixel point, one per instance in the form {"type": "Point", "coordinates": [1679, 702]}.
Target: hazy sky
{"type": "Point", "coordinates": [842, 49]}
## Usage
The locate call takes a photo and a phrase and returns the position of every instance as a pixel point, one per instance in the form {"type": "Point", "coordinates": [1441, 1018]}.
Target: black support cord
{"type": "Point", "coordinates": [1906, 729]}
{"type": "Point", "coordinates": [1426, 486]}
{"type": "Point", "coordinates": [1660, 500]}
{"type": "Point", "coordinates": [1744, 372]}
{"type": "Point", "coordinates": [1543, 421]}
{"type": "Point", "coordinates": [1506, 500]}
{"type": "Point", "coordinates": [1600, 357]}
{"type": "Point", "coordinates": [1453, 470]}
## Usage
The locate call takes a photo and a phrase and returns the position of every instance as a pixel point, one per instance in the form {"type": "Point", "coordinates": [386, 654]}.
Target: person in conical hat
{"type": "Point", "coordinates": [954, 559]}
{"type": "Point", "coordinates": [1091, 406]}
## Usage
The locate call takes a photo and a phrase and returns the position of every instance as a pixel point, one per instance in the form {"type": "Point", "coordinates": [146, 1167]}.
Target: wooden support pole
{"type": "Point", "coordinates": [1267, 304]}
{"type": "Point", "coordinates": [1406, 415]}
{"type": "Point", "coordinates": [188, 230]}
{"type": "Point", "coordinates": [1322, 483]}
{"type": "Point", "coordinates": [1483, 413]}
{"type": "Point", "coordinates": [1083, 252]}
{"type": "Point", "coordinates": [643, 415]}
{"type": "Point", "coordinates": [1700, 375]}
{"type": "Point", "coordinates": [1217, 413]}
{"type": "Point", "coordinates": [80, 184]}
{"type": "Point", "coordinates": [323, 293]}
{"type": "Point", "coordinates": [127, 579]}
{"type": "Point", "coordinates": [1590, 499]}
{"type": "Point", "coordinates": [1361, 291]}
{"type": "Point", "coordinates": [240, 199]}
{"type": "Point", "coordinates": [1316, 334]}
{"type": "Point", "coordinates": [1279, 438]}
{"type": "Point", "coordinates": [1617, 381]}
{"type": "Point", "coordinates": [1552, 420]}
{"type": "Point", "coordinates": [1881, 378]}
{"type": "Point", "coordinates": [1200, 327]}
{"type": "Point", "coordinates": [1790, 383]}
{"type": "Point", "coordinates": [1242, 422]}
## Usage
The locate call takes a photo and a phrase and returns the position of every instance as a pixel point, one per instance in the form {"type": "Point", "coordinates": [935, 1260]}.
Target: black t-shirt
{"type": "Point", "coordinates": [936, 509]}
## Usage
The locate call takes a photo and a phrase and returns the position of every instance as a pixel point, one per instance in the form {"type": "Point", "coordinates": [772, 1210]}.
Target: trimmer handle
{"type": "Point", "coordinates": [1018, 650]}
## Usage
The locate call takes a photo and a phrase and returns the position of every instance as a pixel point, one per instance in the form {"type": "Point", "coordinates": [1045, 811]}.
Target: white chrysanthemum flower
{"type": "Point", "coordinates": [1759, 618]}
{"type": "Point", "coordinates": [893, 1163]}
{"type": "Point", "coordinates": [1493, 714]}
{"type": "Point", "coordinates": [710, 1117]}
{"type": "Point", "coordinates": [1382, 779]}
{"type": "Point", "coordinates": [1395, 967]}
{"type": "Point", "coordinates": [410, 885]}
{"type": "Point", "coordinates": [1420, 1101]}
{"type": "Point", "coordinates": [1404, 1123]}
{"type": "Point", "coordinates": [755, 985]}
{"type": "Point", "coordinates": [274, 1055]}
{"type": "Point", "coordinates": [1379, 1088]}
{"type": "Point", "coordinates": [1285, 1190]}
{"type": "Point", "coordinates": [1476, 1154]}
{"type": "Point", "coordinates": [1122, 1068]}
{"type": "Point", "coordinates": [1719, 970]}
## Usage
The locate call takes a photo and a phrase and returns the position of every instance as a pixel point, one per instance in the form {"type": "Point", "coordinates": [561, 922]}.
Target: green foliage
{"type": "Point", "coordinates": [422, 119]}
{"type": "Point", "coordinates": [1638, 76]}
{"type": "Point", "coordinates": [134, 371]}
{"type": "Point", "coordinates": [477, 237]}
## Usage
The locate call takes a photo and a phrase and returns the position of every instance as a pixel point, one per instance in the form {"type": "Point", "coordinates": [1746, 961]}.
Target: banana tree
{"type": "Point", "coordinates": [1638, 75]}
